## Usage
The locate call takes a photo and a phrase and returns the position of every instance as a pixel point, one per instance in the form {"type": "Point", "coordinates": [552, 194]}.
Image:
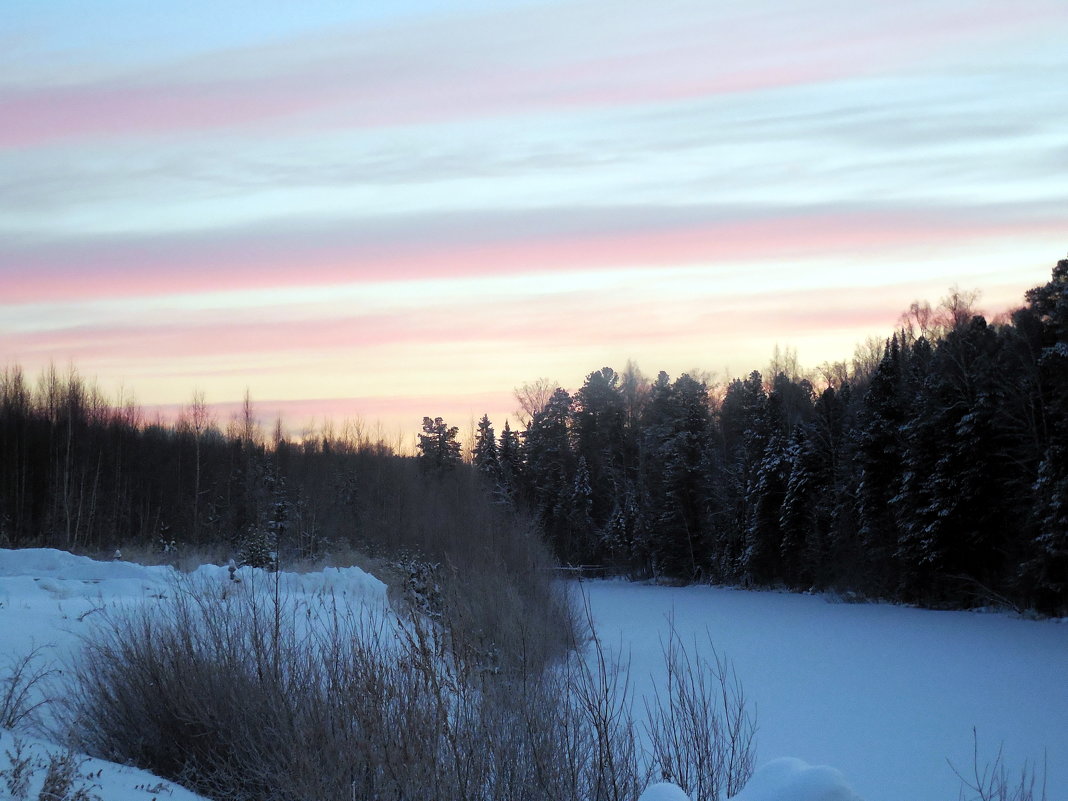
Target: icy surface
{"type": "Point", "coordinates": [886, 694]}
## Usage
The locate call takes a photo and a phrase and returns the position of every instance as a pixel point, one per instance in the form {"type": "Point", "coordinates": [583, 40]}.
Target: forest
{"type": "Point", "coordinates": [933, 472]}
{"type": "Point", "coordinates": [936, 474]}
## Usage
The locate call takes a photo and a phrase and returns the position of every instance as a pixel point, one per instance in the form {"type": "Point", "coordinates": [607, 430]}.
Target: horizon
{"type": "Point", "coordinates": [385, 212]}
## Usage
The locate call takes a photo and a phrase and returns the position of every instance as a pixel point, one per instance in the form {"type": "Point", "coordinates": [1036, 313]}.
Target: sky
{"type": "Point", "coordinates": [385, 210]}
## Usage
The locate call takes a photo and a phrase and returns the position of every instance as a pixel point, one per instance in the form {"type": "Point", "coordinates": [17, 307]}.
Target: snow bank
{"type": "Point", "coordinates": [663, 791]}
{"type": "Point", "coordinates": [49, 600]}
{"type": "Point", "coordinates": [350, 583]}
{"type": "Point", "coordinates": [789, 779]}
{"type": "Point", "coordinates": [50, 563]}
{"type": "Point", "coordinates": [104, 780]}
{"type": "Point", "coordinates": [26, 572]}
{"type": "Point", "coordinates": [785, 779]}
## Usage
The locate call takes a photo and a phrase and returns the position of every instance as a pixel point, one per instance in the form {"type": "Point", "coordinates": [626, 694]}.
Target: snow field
{"type": "Point", "coordinates": [884, 693]}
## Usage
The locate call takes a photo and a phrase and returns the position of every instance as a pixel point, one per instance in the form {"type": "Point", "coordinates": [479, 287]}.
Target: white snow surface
{"type": "Point", "coordinates": [884, 693]}
{"type": "Point", "coordinates": [887, 694]}
{"type": "Point", "coordinates": [783, 779]}
{"type": "Point", "coordinates": [105, 780]}
{"type": "Point", "coordinates": [663, 791]}
{"type": "Point", "coordinates": [791, 778]}
{"type": "Point", "coordinates": [49, 599]}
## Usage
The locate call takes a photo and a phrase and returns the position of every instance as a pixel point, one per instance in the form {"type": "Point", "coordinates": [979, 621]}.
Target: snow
{"type": "Point", "coordinates": [48, 600]}
{"type": "Point", "coordinates": [663, 791]}
{"type": "Point", "coordinates": [884, 693]}
{"type": "Point", "coordinates": [106, 780]}
{"type": "Point", "coordinates": [783, 779]}
{"type": "Point", "coordinates": [791, 778]}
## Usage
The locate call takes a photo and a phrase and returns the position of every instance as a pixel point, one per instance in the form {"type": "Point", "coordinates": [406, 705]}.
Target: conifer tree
{"type": "Point", "coordinates": [743, 440]}
{"type": "Point", "coordinates": [957, 495]}
{"type": "Point", "coordinates": [678, 428]}
{"type": "Point", "coordinates": [484, 452]}
{"type": "Point", "coordinates": [439, 452]}
{"type": "Point", "coordinates": [599, 428]}
{"type": "Point", "coordinates": [510, 461]}
{"type": "Point", "coordinates": [766, 445]}
{"type": "Point", "coordinates": [1049, 567]}
{"type": "Point", "coordinates": [880, 449]}
{"type": "Point", "coordinates": [549, 475]}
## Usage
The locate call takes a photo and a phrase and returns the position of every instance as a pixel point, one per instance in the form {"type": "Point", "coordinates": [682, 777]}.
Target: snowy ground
{"type": "Point", "coordinates": [884, 694]}
{"type": "Point", "coordinates": [49, 599]}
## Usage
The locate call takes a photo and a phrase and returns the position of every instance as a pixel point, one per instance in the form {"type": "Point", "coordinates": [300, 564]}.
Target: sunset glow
{"type": "Point", "coordinates": [384, 211]}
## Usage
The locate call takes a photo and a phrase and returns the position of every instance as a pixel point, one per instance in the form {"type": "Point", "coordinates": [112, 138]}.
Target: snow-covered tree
{"type": "Point", "coordinates": [676, 451]}
{"type": "Point", "coordinates": [510, 461]}
{"type": "Point", "coordinates": [484, 452]}
{"type": "Point", "coordinates": [439, 451]}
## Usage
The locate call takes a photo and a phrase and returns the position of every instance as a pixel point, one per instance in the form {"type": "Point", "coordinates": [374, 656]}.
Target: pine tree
{"type": "Point", "coordinates": [549, 476]}
{"type": "Point", "coordinates": [880, 449]}
{"type": "Point", "coordinates": [577, 505]}
{"type": "Point", "coordinates": [510, 461]}
{"type": "Point", "coordinates": [958, 496]}
{"type": "Point", "coordinates": [815, 510]}
{"type": "Point", "coordinates": [259, 545]}
{"type": "Point", "coordinates": [742, 417]}
{"type": "Point", "coordinates": [766, 445]}
{"type": "Point", "coordinates": [599, 430]}
{"type": "Point", "coordinates": [439, 452]}
{"type": "Point", "coordinates": [1048, 568]}
{"type": "Point", "coordinates": [484, 452]}
{"type": "Point", "coordinates": [678, 428]}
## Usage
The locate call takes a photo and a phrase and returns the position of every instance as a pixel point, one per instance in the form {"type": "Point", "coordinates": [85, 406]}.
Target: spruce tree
{"type": "Point", "coordinates": [1048, 568]}
{"type": "Point", "coordinates": [957, 497]}
{"type": "Point", "coordinates": [880, 449]}
{"type": "Point", "coordinates": [599, 428]}
{"type": "Point", "coordinates": [510, 461]}
{"type": "Point", "coordinates": [678, 427]}
{"type": "Point", "coordinates": [439, 452]}
{"type": "Point", "coordinates": [484, 453]}
{"type": "Point", "coordinates": [549, 476]}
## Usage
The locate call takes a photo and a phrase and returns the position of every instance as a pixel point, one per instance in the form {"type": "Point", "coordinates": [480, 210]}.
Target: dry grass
{"type": "Point", "coordinates": [253, 695]}
{"type": "Point", "coordinates": [991, 780]}
{"type": "Point", "coordinates": [24, 690]}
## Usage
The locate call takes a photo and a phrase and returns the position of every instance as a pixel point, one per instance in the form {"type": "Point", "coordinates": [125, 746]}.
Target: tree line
{"type": "Point", "coordinates": [935, 471]}
{"type": "Point", "coordinates": [935, 474]}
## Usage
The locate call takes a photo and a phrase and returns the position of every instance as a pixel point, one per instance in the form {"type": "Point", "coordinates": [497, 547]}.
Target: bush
{"type": "Point", "coordinates": [245, 693]}
{"type": "Point", "coordinates": [23, 689]}
{"type": "Point", "coordinates": [991, 781]}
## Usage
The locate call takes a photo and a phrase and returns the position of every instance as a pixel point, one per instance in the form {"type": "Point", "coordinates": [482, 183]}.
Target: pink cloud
{"type": "Point", "coordinates": [265, 260]}
{"type": "Point", "coordinates": [33, 117]}
{"type": "Point", "coordinates": [501, 64]}
{"type": "Point", "coordinates": [392, 418]}
{"type": "Point", "coordinates": [592, 318]}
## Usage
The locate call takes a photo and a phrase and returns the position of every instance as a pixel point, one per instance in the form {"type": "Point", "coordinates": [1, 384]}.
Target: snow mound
{"type": "Point", "coordinates": [790, 779]}
{"type": "Point", "coordinates": [28, 571]}
{"type": "Point", "coordinates": [50, 563]}
{"type": "Point", "coordinates": [351, 583]}
{"type": "Point", "coordinates": [95, 777]}
{"type": "Point", "coordinates": [663, 791]}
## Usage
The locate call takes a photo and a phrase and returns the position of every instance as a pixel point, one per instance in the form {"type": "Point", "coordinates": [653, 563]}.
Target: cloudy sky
{"type": "Point", "coordinates": [391, 209]}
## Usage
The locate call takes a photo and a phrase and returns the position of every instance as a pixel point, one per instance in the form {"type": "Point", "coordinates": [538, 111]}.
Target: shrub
{"type": "Point", "coordinates": [991, 780]}
{"type": "Point", "coordinates": [246, 693]}
{"type": "Point", "coordinates": [23, 689]}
